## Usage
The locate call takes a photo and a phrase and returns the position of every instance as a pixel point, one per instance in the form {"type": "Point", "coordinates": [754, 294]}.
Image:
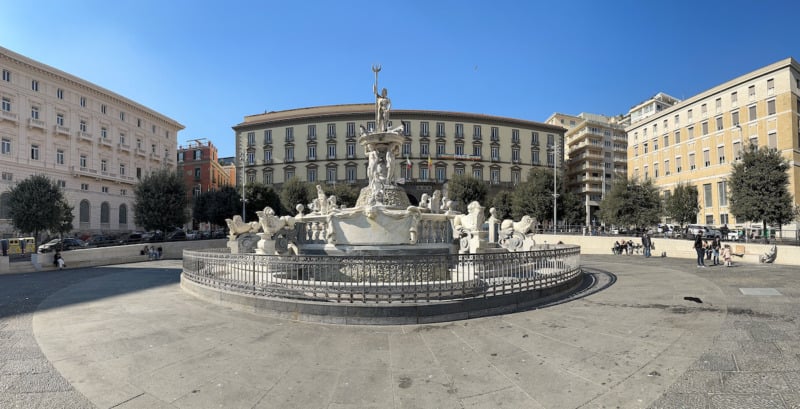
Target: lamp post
{"type": "Point", "coordinates": [555, 194]}
{"type": "Point", "coordinates": [244, 200]}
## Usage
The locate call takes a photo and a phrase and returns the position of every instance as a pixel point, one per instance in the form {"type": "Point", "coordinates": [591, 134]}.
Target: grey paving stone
{"type": "Point", "coordinates": [698, 382]}
{"type": "Point", "coordinates": [715, 361]}
{"type": "Point", "coordinates": [739, 401]}
{"type": "Point", "coordinates": [681, 401]}
{"type": "Point", "coordinates": [753, 382]}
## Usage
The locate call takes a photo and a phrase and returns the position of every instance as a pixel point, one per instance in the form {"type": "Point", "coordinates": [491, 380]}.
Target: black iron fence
{"type": "Point", "coordinates": [384, 279]}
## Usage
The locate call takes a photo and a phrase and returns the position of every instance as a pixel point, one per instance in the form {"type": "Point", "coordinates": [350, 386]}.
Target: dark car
{"type": "Point", "coordinates": [176, 235]}
{"type": "Point", "coordinates": [68, 243]}
{"type": "Point", "coordinates": [100, 240]}
{"type": "Point", "coordinates": [131, 238]}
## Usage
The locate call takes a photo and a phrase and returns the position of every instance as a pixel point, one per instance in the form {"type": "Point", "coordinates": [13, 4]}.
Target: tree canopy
{"type": "Point", "coordinates": [682, 205]}
{"type": "Point", "coordinates": [214, 206]}
{"type": "Point", "coordinates": [294, 192]}
{"type": "Point", "coordinates": [631, 204]}
{"type": "Point", "coordinates": [160, 201]}
{"type": "Point", "coordinates": [463, 189]}
{"type": "Point", "coordinates": [534, 196]}
{"type": "Point", "coordinates": [37, 204]}
{"type": "Point", "coordinates": [258, 197]}
{"type": "Point", "coordinates": [759, 188]}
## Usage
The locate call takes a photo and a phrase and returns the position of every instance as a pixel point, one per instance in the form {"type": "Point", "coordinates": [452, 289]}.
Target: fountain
{"type": "Point", "coordinates": [418, 263]}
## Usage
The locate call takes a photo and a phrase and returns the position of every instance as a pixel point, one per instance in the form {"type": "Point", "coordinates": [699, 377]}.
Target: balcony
{"type": "Point", "coordinates": [106, 142]}
{"type": "Point", "coordinates": [35, 123]}
{"type": "Point", "coordinates": [62, 130]}
{"type": "Point", "coordinates": [154, 156]}
{"type": "Point", "coordinates": [267, 161]}
{"type": "Point", "coordinates": [8, 116]}
{"type": "Point", "coordinates": [141, 152]}
{"type": "Point", "coordinates": [476, 137]}
{"type": "Point", "coordinates": [123, 147]}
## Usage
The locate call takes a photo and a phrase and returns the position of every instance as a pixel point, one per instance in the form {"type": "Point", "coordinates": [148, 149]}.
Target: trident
{"type": "Point", "coordinates": [376, 69]}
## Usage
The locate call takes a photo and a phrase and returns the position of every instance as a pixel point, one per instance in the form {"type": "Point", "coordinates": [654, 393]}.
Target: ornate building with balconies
{"type": "Point", "coordinates": [94, 143]}
{"type": "Point", "coordinates": [320, 145]}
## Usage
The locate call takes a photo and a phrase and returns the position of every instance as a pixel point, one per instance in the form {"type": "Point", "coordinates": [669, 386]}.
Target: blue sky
{"type": "Point", "coordinates": [207, 66]}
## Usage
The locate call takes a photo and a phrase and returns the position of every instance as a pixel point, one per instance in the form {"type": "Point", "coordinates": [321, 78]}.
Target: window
{"type": "Point", "coordinates": [34, 112]}
{"type": "Point", "coordinates": [707, 199]}
{"type": "Point", "coordinates": [515, 155]}
{"type": "Point", "coordinates": [722, 191]}
{"type": "Point", "coordinates": [138, 173]}
{"type": "Point", "coordinates": [371, 125]}
{"type": "Point", "coordinates": [138, 122]}
{"type": "Point", "coordinates": [268, 137]}
{"type": "Point", "coordinates": [655, 170]}
{"type": "Point", "coordinates": [515, 179]}
{"type": "Point", "coordinates": [406, 148]}
{"type": "Point", "coordinates": [423, 173]}
{"type": "Point", "coordinates": [476, 150]}
{"type": "Point", "coordinates": [690, 131]}
{"type": "Point", "coordinates": [515, 136]}
{"type": "Point", "coordinates": [770, 86]}
{"type": "Point", "coordinates": [706, 158]}
{"type": "Point", "coordinates": [82, 161]}
{"type": "Point", "coordinates": [122, 169]}
{"type": "Point", "coordinates": [423, 129]}
{"type": "Point", "coordinates": [331, 151]}
{"type": "Point", "coordinates": [62, 183]}
{"type": "Point", "coordinates": [6, 75]}
{"type": "Point", "coordinates": [423, 149]}
{"type": "Point", "coordinates": [735, 118]}
{"type": "Point", "coordinates": [723, 217]}
{"type": "Point", "coordinates": [288, 174]}
{"type": "Point", "coordinates": [771, 107]}
{"type": "Point", "coordinates": [351, 150]}
{"type": "Point", "coordinates": [103, 109]}
{"type": "Point", "coordinates": [459, 149]}
{"type": "Point", "coordinates": [677, 120]}
{"type": "Point", "coordinates": [267, 155]}
{"type": "Point", "coordinates": [734, 98]}
{"type": "Point", "coordinates": [251, 139]}
{"type": "Point", "coordinates": [153, 129]}
{"type": "Point", "coordinates": [666, 140]}
{"type": "Point", "coordinates": [459, 130]}
{"type": "Point", "coordinates": [677, 137]}
{"type": "Point", "coordinates": [737, 150]}
{"type": "Point", "coordinates": [251, 158]}
{"type": "Point", "coordinates": [551, 139]}
{"type": "Point", "coordinates": [754, 141]}
{"type": "Point", "coordinates": [6, 104]}
{"type": "Point", "coordinates": [60, 156]}
{"type": "Point", "coordinates": [751, 92]}
{"type": "Point", "coordinates": [689, 115]}
{"type": "Point", "coordinates": [406, 127]}
{"type": "Point", "coordinates": [495, 153]}
{"type": "Point", "coordinates": [441, 174]}
{"type": "Point", "coordinates": [103, 165]}
{"type": "Point", "coordinates": [60, 119]}
{"type": "Point", "coordinates": [721, 154]}
{"type": "Point", "coordinates": [772, 140]}
{"type": "Point", "coordinates": [534, 138]}
{"type": "Point", "coordinates": [5, 146]}
{"type": "Point", "coordinates": [477, 173]}
{"type": "Point", "coordinates": [198, 154]}
{"type": "Point", "coordinates": [719, 123]}
{"type": "Point", "coordinates": [495, 133]}
{"type": "Point", "coordinates": [84, 186]}
{"type": "Point", "coordinates": [494, 176]}
{"type": "Point", "coordinates": [312, 132]}
{"type": "Point", "coordinates": [289, 134]}
{"type": "Point", "coordinates": [691, 161]}
{"type": "Point", "coordinates": [351, 129]}
{"type": "Point", "coordinates": [704, 127]}
{"type": "Point", "coordinates": [35, 152]}
{"type": "Point", "coordinates": [330, 175]}
{"type": "Point", "coordinates": [440, 148]}
{"type": "Point", "coordinates": [122, 116]}
{"type": "Point", "coordinates": [268, 177]}
{"type": "Point", "coordinates": [60, 93]}
{"type": "Point", "coordinates": [350, 174]}
{"type": "Point", "coordinates": [646, 172]}
{"type": "Point", "coordinates": [703, 110]}
{"type": "Point", "coordinates": [121, 138]}
{"type": "Point", "coordinates": [440, 130]}
{"type": "Point", "coordinates": [476, 132]}
{"type": "Point", "coordinates": [331, 130]}
{"type": "Point", "coordinates": [551, 157]}
{"type": "Point", "coordinates": [82, 125]}
{"type": "Point", "coordinates": [718, 105]}
{"type": "Point", "coordinates": [751, 110]}
{"type": "Point", "coordinates": [644, 147]}
{"type": "Point", "coordinates": [666, 167]}
{"type": "Point", "coordinates": [197, 173]}
{"type": "Point", "coordinates": [311, 174]}
{"type": "Point", "coordinates": [289, 154]}
{"type": "Point", "coordinates": [655, 144]}
{"type": "Point", "coordinates": [678, 164]}
{"type": "Point", "coordinates": [104, 189]}
{"type": "Point", "coordinates": [535, 157]}
{"type": "Point", "coordinates": [35, 85]}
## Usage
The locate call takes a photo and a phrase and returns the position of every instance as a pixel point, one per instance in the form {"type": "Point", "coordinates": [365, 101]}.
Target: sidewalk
{"type": "Point", "coordinates": [128, 337]}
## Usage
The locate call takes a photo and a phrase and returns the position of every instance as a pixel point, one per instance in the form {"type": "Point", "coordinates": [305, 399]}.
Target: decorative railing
{"type": "Point", "coordinates": [384, 279]}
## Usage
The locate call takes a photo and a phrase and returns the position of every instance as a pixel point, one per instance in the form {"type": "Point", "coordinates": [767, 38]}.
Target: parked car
{"type": "Point", "coordinates": [68, 243]}
{"type": "Point", "coordinates": [100, 240]}
{"type": "Point", "coordinates": [176, 235]}
{"type": "Point", "coordinates": [131, 238]}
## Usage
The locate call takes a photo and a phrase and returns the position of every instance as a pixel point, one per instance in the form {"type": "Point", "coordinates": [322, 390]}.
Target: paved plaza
{"type": "Point", "coordinates": [127, 336]}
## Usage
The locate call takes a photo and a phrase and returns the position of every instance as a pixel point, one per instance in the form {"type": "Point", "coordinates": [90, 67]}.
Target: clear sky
{"type": "Point", "coordinates": [209, 65]}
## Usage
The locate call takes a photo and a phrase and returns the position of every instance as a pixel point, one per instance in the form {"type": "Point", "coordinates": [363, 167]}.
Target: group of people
{"type": "Point", "coordinates": [712, 251]}
{"type": "Point", "coordinates": [622, 246]}
{"type": "Point", "coordinates": [152, 252]}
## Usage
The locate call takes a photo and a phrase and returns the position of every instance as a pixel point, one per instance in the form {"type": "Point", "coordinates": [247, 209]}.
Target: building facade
{"type": "Point", "coordinates": [596, 151]}
{"type": "Point", "coordinates": [201, 168]}
{"type": "Point", "coordinates": [320, 144]}
{"type": "Point", "coordinates": [94, 143]}
{"type": "Point", "coordinates": [697, 140]}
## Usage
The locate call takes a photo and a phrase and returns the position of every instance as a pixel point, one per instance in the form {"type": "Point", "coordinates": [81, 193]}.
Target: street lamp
{"type": "Point", "coordinates": [555, 194]}
{"type": "Point", "coordinates": [244, 201]}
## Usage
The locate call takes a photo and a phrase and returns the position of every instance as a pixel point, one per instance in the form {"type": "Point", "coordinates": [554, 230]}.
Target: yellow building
{"type": "Point", "coordinates": [94, 143]}
{"type": "Point", "coordinates": [320, 144]}
{"type": "Point", "coordinates": [696, 140]}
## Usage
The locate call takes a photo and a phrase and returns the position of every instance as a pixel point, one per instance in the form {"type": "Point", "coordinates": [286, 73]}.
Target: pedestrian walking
{"type": "Point", "coordinates": [699, 247]}
{"type": "Point", "coordinates": [646, 242]}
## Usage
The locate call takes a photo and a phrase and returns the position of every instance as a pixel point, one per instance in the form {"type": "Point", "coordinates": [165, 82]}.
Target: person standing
{"type": "Point", "coordinates": [716, 245]}
{"type": "Point", "coordinates": [646, 244]}
{"type": "Point", "coordinates": [699, 247]}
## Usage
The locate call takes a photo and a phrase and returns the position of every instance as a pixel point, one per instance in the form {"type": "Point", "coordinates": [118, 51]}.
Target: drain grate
{"type": "Point", "coordinates": [759, 291]}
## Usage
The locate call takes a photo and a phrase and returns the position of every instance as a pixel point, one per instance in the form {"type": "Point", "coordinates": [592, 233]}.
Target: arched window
{"type": "Point", "coordinates": [105, 213]}
{"type": "Point", "coordinates": [4, 210]}
{"type": "Point", "coordinates": [123, 214]}
{"type": "Point", "coordinates": [85, 210]}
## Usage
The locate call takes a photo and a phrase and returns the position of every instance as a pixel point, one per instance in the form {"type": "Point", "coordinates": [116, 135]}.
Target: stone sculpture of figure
{"type": "Point", "coordinates": [436, 201]}
{"type": "Point", "coordinates": [425, 202]}
{"type": "Point", "coordinates": [390, 154]}
{"type": "Point", "coordinates": [331, 203]}
{"type": "Point", "coordinates": [363, 130]}
{"type": "Point", "coordinates": [383, 105]}
{"type": "Point", "coordinates": [372, 155]}
{"type": "Point", "coordinates": [236, 226]}
{"type": "Point", "coordinates": [321, 203]}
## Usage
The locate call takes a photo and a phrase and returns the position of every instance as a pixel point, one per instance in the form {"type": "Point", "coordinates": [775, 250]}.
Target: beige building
{"type": "Point", "coordinates": [596, 151]}
{"type": "Point", "coordinates": [94, 143]}
{"type": "Point", "coordinates": [320, 144]}
{"type": "Point", "coordinates": [696, 141]}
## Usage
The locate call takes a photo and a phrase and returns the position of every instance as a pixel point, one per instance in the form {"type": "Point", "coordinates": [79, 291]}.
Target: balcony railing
{"type": "Point", "coordinates": [9, 116]}
{"type": "Point", "coordinates": [36, 123]}
{"type": "Point", "coordinates": [63, 130]}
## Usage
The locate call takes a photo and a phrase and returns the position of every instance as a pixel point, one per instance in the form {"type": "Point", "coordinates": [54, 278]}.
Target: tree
{"type": "Point", "coordinates": [260, 196]}
{"type": "Point", "coordinates": [759, 188]}
{"type": "Point", "coordinates": [464, 189]}
{"type": "Point", "coordinates": [65, 224]}
{"type": "Point", "coordinates": [534, 196]}
{"type": "Point", "coordinates": [571, 210]}
{"type": "Point", "coordinates": [630, 203]}
{"type": "Point", "coordinates": [292, 193]}
{"type": "Point", "coordinates": [502, 204]}
{"type": "Point", "coordinates": [37, 204]}
{"type": "Point", "coordinates": [160, 201]}
{"type": "Point", "coordinates": [215, 206]}
{"type": "Point", "coordinates": [682, 205]}
{"type": "Point", "coordinates": [345, 194]}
